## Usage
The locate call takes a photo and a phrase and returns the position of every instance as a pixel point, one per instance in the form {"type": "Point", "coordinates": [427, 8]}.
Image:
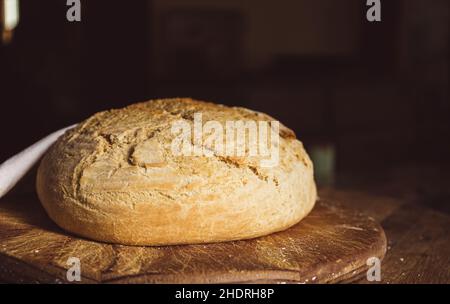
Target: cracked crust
{"type": "Point", "coordinates": [114, 179]}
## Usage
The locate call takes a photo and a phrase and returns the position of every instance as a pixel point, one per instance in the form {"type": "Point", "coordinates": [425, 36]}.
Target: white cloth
{"type": "Point", "coordinates": [12, 170]}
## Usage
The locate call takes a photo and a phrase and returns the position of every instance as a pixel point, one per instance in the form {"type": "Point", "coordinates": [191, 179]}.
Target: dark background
{"type": "Point", "coordinates": [376, 94]}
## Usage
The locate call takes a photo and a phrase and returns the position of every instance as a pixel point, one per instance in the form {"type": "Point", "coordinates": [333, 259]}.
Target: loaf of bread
{"type": "Point", "coordinates": [116, 178]}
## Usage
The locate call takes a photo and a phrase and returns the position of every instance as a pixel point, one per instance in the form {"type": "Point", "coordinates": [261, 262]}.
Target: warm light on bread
{"type": "Point", "coordinates": [115, 178]}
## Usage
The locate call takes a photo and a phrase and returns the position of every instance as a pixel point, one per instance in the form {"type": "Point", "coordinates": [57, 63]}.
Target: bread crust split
{"type": "Point", "coordinates": [114, 179]}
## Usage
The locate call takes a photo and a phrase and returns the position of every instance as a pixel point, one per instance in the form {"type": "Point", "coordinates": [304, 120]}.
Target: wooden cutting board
{"type": "Point", "coordinates": [331, 245]}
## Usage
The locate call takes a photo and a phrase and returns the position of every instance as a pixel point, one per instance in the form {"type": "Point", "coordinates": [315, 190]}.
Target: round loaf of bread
{"type": "Point", "coordinates": [117, 177]}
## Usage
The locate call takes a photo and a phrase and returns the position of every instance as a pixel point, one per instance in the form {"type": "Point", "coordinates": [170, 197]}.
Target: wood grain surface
{"type": "Point", "coordinates": [331, 245]}
{"type": "Point", "coordinates": [418, 236]}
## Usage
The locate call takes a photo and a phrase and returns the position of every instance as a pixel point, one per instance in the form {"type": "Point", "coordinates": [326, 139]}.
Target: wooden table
{"type": "Point", "coordinates": [418, 236]}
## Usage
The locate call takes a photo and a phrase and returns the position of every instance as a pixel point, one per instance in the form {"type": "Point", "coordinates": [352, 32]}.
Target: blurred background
{"type": "Point", "coordinates": [369, 100]}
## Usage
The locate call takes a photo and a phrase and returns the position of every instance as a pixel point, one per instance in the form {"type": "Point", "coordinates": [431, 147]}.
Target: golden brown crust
{"type": "Point", "coordinates": [114, 179]}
